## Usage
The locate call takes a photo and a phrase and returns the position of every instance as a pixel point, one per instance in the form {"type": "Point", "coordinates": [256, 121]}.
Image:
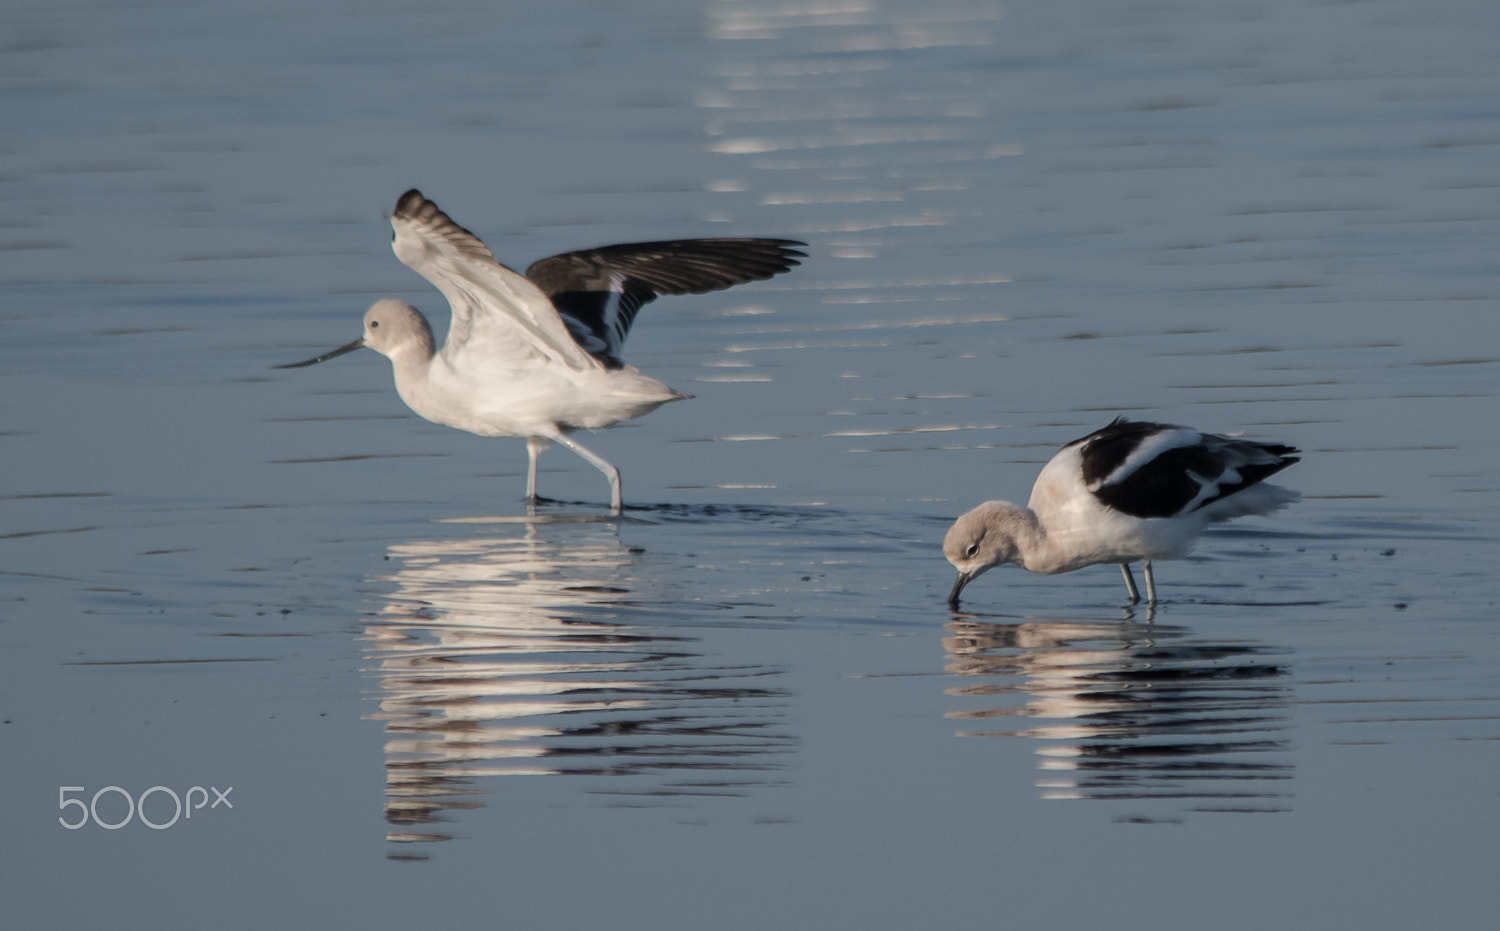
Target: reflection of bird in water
{"type": "Point", "coordinates": [514, 648]}
{"type": "Point", "coordinates": [1129, 711]}
{"type": "Point", "coordinates": [1131, 491]}
{"type": "Point", "coordinates": [538, 355]}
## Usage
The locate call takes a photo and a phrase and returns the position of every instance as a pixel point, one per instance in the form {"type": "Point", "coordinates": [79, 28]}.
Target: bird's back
{"type": "Point", "coordinates": [1147, 490]}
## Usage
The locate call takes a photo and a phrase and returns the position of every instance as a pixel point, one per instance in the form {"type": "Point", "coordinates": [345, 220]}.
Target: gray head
{"type": "Point", "coordinates": [982, 539]}
{"type": "Point", "coordinates": [392, 328]}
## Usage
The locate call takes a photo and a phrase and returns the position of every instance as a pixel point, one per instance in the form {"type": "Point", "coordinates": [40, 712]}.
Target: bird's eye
{"type": "Point", "coordinates": [972, 551]}
{"type": "Point", "coordinates": [374, 324]}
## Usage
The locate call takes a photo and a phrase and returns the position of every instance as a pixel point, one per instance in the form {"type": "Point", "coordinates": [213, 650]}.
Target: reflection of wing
{"type": "Point", "coordinates": [495, 310]}
{"type": "Point", "coordinates": [1125, 713]}
{"type": "Point", "coordinates": [500, 653]}
{"type": "Point", "coordinates": [599, 291]}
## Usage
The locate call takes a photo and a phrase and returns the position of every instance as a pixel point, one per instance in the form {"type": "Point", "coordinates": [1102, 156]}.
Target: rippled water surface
{"type": "Point", "coordinates": [744, 703]}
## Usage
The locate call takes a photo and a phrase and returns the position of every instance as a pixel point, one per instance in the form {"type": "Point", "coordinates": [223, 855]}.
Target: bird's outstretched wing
{"type": "Point", "coordinates": [599, 291]}
{"type": "Point", "coordinates": [496, 310]}
{"type": "Point", "coordinates": [1161, 470]}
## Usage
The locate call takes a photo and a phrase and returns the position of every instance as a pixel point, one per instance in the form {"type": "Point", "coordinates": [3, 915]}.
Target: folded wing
{"type": "Point", "coordinates": [1161, 470]}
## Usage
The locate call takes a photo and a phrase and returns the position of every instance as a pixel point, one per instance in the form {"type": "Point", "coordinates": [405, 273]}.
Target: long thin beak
{"type": "Point", "coordinates": [958, 586]}
{"type": "Point", "coordinates": [357, 344]}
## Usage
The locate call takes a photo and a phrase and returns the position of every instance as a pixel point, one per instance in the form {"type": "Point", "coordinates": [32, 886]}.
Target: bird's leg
{"type": "Point", "coordinates": [1150, 583]}
{"type": "Point", "coordinates": [610, 472]}
{"type": "Point", "coordinates": [1135, 594]}
{"type": "Point", "coordinates": [534, 447]}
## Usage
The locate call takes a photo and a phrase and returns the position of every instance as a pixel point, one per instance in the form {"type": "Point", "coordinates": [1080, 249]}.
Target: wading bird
{"type": "Point", "coordinates": [1131, 491]}
{"type": "Point", "coordinates": [538, 355]}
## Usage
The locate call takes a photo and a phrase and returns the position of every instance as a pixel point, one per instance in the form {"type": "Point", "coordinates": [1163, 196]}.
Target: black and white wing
{"type": "Point", "coordinates": [496, 310]}
{"type": "Point", "coordinates": [1161, 470]}
{"type": "Point", "coordinates": [599, 291]}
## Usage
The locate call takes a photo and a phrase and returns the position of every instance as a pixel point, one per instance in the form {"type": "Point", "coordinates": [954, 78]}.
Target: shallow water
{"type": "Point", "coordinates": [745, 703]}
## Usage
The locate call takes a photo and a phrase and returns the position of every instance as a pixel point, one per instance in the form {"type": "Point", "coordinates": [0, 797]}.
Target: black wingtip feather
{"type": "Point", "coordinates": [407, 204]}
{"type": "Point", "coordinates": [413, 207]}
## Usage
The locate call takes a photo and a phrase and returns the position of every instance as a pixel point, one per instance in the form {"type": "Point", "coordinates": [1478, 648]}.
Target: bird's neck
{"type": "Point", "coordinates": [413, 356]}
{"type": "Point", "coordinates": [1036, 549]}
{"type": "Point", "coordinates": [411, 363]}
